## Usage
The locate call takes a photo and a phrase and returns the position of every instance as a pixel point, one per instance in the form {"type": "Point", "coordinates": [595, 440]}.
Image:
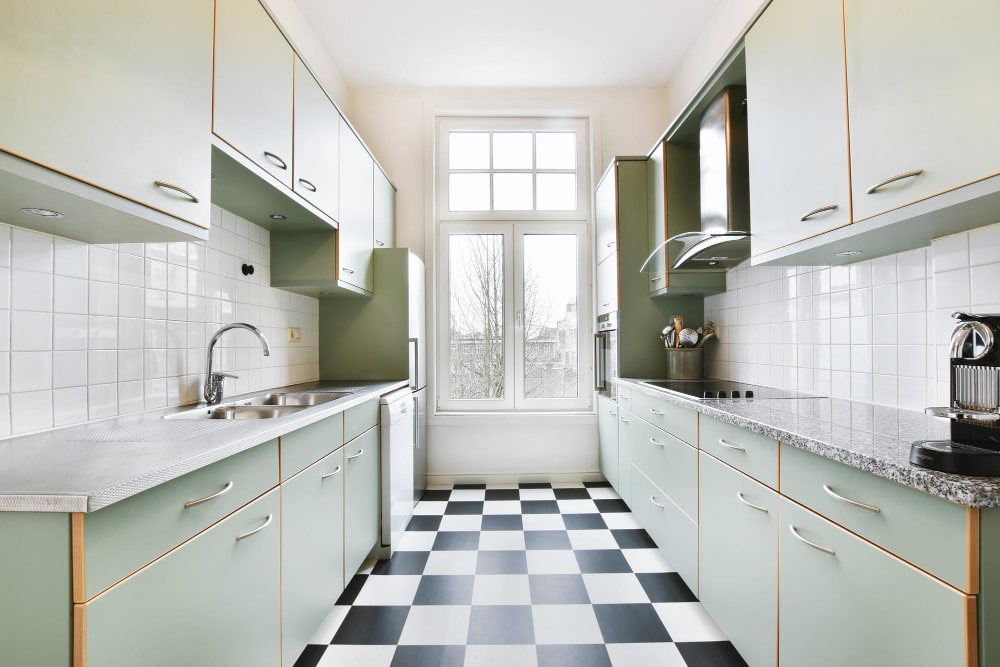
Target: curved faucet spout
{"type": "Point", "coordinates": [213, 381]}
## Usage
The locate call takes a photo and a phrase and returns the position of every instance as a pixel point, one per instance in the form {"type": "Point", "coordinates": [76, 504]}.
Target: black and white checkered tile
{"type": "Point", "coordinates": [517, 576]}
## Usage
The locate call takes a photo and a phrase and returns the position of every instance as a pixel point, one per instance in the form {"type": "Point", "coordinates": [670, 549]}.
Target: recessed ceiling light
{"type": "Point", "coordinates": [848, 253]}
{"type": "Point", "coordinates": [277, 216]}
{"type": "Point", "coordinates": [43, 212]}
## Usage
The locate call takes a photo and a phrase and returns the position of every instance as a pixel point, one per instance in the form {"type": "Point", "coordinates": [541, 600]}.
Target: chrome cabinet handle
{"type": "Point", "coordinates": [658, 444]}
{"type": "Point", "coordinates": [267, 522]}
{"type": "Point", "coordinates": [623, 397]}
{"type": "Point", "coordinates": [652, 499]}
{"type": "Point", "coordinates": [277, 161]}
{"type": "Point", "coordinates": [176, 188]}
{"type": "Point", "coordinates": [360, 452]}
{"type": "Point", "coordinates": [892, 179]}
{"type": "Point", "coordinates": [600, 382]}
{"type": "Point", "coordinates": [307, 185]}
{"type": "Point", "coordinates": [836, 496]}
{"type": "Point", "coordinates": [380, 244]}
{"type": "Point", "coordinates": [821, 209]}
{"type": "Point", "coordinates": [347, 270]}
{"type": "Point", "coordinates": [655, 279]}
{"type": "Point", "coordinates": [331, 474]}
{"type": "Point", "coordinates": [623, 420]}
{"type": "Point", "coordinates": [610, 244]}
{"type": "Point", "coordinates": [656, 412]}
{"type": "Point", "coordinates": [612, 413]}
{"type": "Point", "coordinates": [826, 550]}
{"type": "Point", "coordinates": [736, 447]}
{"type": "Point", "coordinates": [605, 304]}
{"type": "Point", "coordinates": [739, 497]}
{"type": "Point", "coordinates": [226, 489]}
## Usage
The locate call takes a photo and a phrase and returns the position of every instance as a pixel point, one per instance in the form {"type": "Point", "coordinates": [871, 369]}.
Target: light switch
{"type": "Point", "coordinates": [294, 335]}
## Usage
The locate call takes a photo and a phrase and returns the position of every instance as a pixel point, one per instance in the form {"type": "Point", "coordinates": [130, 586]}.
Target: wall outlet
{"type": "Point", "coordinates": [294, 335]}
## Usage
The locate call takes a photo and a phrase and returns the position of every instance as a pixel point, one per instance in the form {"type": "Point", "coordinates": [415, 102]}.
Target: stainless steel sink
{"type": "Point", "coordinates": [239, 412]}
{"type": "Point", "coordinates": [298, 398]}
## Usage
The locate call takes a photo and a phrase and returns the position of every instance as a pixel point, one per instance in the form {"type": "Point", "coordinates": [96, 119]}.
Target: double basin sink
{"type": "Point", "coordinates": [267, 406]}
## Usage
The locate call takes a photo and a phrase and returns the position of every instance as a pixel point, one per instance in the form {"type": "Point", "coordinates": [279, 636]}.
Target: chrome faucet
{"type": "Point", "coordinates": [213, 381]}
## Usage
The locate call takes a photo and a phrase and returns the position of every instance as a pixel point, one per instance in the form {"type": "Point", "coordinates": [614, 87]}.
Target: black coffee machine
{"type": "Point", "coordinates": [974, 448]}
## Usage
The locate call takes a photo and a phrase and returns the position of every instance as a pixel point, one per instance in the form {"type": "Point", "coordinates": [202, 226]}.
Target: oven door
{"type": "Point", "coordinates": [606, 363]}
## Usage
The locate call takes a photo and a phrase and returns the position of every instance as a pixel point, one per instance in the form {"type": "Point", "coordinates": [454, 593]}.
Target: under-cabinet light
{"type": "Point", "coordinates": [43, 212]}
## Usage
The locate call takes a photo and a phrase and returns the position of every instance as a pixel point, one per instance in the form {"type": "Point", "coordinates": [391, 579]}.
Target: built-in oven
{"type": "Point", "coordinates": [606, 355]}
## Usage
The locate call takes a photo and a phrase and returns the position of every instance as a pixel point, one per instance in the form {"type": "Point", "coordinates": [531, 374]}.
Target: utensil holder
{"type": "Point", "coordinates": [684, 363]}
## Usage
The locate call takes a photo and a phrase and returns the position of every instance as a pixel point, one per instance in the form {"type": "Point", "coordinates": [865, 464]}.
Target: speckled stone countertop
{"type": "Point", "coordinates": [868, 437]}
{"type": "Point", "coordinates": [87, 467]}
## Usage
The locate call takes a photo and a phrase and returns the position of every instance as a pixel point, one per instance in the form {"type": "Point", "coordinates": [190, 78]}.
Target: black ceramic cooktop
{"type": "Point", "coordinates": [724, 389]}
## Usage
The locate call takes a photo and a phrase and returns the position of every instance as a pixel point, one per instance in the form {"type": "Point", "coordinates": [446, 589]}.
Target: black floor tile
{"type": "Point", "coordinates": [577, 655]}
{"type": "Point", "coordinates": [584, 521]}
{"type": "Point", "coordinates": [464, 507]}
{"type": "Point", "coordinates": [630, 623]}
{"type": "Point", "coordinates": [470, 486]}
{"type": "Point", "coordinates": [424, 522]}
{"type": "Point", "coordinates": [352, 589]}
{"type": "Point", "coordinates": [558, 589]}
{"type": "Point", "coordinates": [436, 495]}
{"type": "Point", "coordinates": [611, 505]}
{"type": "Point", "coordinates": [539, 507]}
{"type": "Point", "coordinates": [456, 540]}
{"type": "Point", "coordinates": [310, 656]}
{"type": "Point", "coordinates": [593, 561]}
{"type": "Point", "coordinates": [716, 654]}
{"type": "Point", "coordinates": [665, 587]}
{"type": "Point", "coordinates": [603, 484]}
{"type": "Point", "coordinates": [502, 522]}
{"type": "Point", "coordinates": [572, 494]}
{"type": "Point", "coordinates": [372, 625]}
{"type": "Point", "coordinates": [546, 539]}
{"type": "Point", "coordinates": [502, 562]}
{"type": "Point", "coordinates": [535, 485]}
{"type": "Point", "coordinates": [402, 562]}
{"type": "Point", "coordinates": [445, 589]}
{"type": "Point", "coordinates": [429, 656]}
{"type": "Point", "coordinates": [501, 624]}
{"type": "Point", "coordinates": [635, 538]}
{"type": "Point", "coordinates": [503, 494]}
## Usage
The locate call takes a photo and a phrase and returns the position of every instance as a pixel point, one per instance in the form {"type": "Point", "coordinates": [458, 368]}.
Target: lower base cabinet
{"type": "Point", "coordinates": [672, 530]}
{"type": "Point", "coordinates": [607, 427]}
{"type": "Point", "coordinates": [187, 608]}
{"type": "Point", "coordinates": [844, 601]}
{"type": "Point", "coordinates": [361, 499]}
{"type": "Point", "coordinates": [626, 428]}
{"type": "Point", "coordinates": [738, 541]}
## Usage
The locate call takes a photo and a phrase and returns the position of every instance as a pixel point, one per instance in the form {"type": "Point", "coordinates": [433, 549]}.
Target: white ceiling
{"type": "Point", "coordinates": [510, 43]}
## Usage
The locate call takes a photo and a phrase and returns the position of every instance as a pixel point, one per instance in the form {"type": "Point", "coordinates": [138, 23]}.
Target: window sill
{"type": "Point", "coordinates": [511, 418]}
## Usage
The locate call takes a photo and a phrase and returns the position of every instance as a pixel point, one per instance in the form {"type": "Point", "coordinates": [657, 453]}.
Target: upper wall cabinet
{"type": "Point", "coordinates": [385, 211]}
{"type": "Point", "coordinates": [355, 237]}
{"type": "Point", "coordinates": [317, 143]}
{"type": "Point", "coordinates": [254, 72]}
{"type": "Point", "coordinates": [105, 117]}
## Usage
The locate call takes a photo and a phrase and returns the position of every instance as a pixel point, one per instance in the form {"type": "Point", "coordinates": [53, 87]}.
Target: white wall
{"type": "Point", "coordinates": [94, 331]}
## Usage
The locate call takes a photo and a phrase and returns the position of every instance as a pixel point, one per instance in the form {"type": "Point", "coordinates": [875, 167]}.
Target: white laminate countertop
{"type": "Point", "coordinates": [869, 437]}
{"type": "Point", "coordinates": [84, 468]}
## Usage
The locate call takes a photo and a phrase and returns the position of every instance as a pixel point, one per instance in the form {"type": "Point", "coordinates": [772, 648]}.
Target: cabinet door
{"type": "Point", "coordinates": [607, 427]}
{"type": "Point", "coordinates": [921, 79]}
{"type": "Point", "coordinates": [797, 123]}
{"type": "Point", "coordinates": [317, 143]}
{"type": "Point", "coordinates": [738, 559]}
{"type": "Point", "coordinates": [254, 69]}
{"type": "Point", "coordinates": [215, 600]}
{"type": "Point", "coordinates": [116, 94]}
{"type": "Point", "coordinates": [672, 530]}
{"type": "Point", "coordinates": [606, 215]}
{"type": "Point", "coordinates": [356, 233]}
{"type": "Point", "coordinates": [361, 500]}
{"type": "Point", "coordinates": [607, 285]}
{"type": "Point", "coordinates": [312, 550]}
{"type": "Point", "coordinates": [844, 601]}
{"type": "Point", "coordinates": [627, 423]}
{"type": "Point", "coordinates": [385, 212]}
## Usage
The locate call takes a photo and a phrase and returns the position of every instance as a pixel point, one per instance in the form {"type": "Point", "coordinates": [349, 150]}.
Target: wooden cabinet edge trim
{"type": "Point", "coordinates": [78, 554]}
{"type": "Point", "coordinates": [79, 635]}
{"type": "Point", "coordinates": [972, 631]}
{"type": "Point", "coordinates": [972, 548]}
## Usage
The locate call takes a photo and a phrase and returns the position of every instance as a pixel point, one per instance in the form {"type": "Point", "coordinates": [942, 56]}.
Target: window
{"type": "Point", "coordinates": [512, 248]}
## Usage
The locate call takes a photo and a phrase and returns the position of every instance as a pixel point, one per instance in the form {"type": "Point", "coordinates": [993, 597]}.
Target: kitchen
{"type": "Point", "coordinates": [131, 302]}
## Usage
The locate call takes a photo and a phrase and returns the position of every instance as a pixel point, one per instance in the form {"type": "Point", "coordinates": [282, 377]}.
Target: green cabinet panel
{"type": "Point", "coordinates": [738, 559]}
{"type": "Point", "coordinates": [312, 550]}
{"type": "Point", "coordinates": [854, 604]}
{"type": "Point", "coordinates": [627, 423]}
{"type": "Point", "coordinates": [673, 531]}
{"type": "Point", "coordinates": [360, 418]}
{"type": "Point", "coordinates": [607, 428]}
{"type": "Point", "coordinates": [317, 144]}
{"type": "Point", "coordinates": [669, 463]}
{"type": "Point", "coordinates": [385, 211]}
{"type": "Point", "coordinates": [355, 237]}
{"type": "Point", "coordinates": [36, 621]}
{"type": "Point", "coordinates": [309, 444]}
{"type": "Point", "coordinates": [751, 453]}
{"type": "Point", "coordinates": [607, 285]}
{"type": "Point", "coordinates": [679, 422]}
{"type": "Point", "coordinates": [214, 601]}
{"type": "Point", "coordinates": [124, 536]}
{"type": "Point", "coordinates": [361, 499]}
{"type": "Point", "coordinates": [903, 522]}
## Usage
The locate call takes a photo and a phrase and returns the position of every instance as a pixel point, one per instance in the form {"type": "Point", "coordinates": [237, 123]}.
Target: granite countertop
{"type": "Point", "coordinates": [868, 437]}
{"type": "Point", "coordinates": [84, 468]}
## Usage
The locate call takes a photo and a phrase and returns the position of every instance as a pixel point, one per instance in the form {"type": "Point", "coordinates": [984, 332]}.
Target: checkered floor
{"type": "Point", "coordinates": [515, 576]}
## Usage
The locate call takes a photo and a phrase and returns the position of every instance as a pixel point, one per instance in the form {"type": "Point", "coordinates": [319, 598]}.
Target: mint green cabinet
{"type": "Point", "coordinates": [627, 424]}
{"type": "Point", "coordinates": [738, 559]}
{"type": "Point", "coordinates": [670, 463]}
{"type": "Point", "coordinates": [844, 601]}
{"type": "Point", "coordinates": [385, 211]}
{"type": "Point", "coordinates": [361, 499]}
{"type": "Point", "coordinates": [680, 422]}
{"type": "Point", "coordinates": [215, 600]}
{"type": "Point", "coordinates": [674, 532]}
{"type": "Point", "coordinates": [305, 446]}
{"type": "Point", "coordinates": [751, 453]}
{"type": "Point", "coordinates": [355, 236]}
{"type": "Point", "coordinates": [607, 430]}
{"type": "Point", "coordinates": [316, 168]}
{"type": "Point", "coordinates": [312, 550]}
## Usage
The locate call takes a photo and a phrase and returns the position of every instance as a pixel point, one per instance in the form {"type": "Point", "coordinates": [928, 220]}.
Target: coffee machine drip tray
{"type": "Point", "coordinates": [955, 457]}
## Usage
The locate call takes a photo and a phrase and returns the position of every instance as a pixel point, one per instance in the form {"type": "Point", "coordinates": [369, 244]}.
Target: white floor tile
{"type": "Point", "coordinates": [350, 654]}
{"type": "Point", "coordinates": [328, 628]}
{"type": "Point", "coordinates": [538, 494]}
{"type": "Point", "coordinates": [566, 624]}
{"type": "Point", "coordinates": [647, 560]}
{"type": "Point", "coordinates": [461, 522]}
{"type": "Point", "coordinates": [501, 540]}
{"type": "Point", "coordinates": [451, 562]}
{"type": "Point", "coordinates": [577, 507]}
{"type": "Point", "coordinates": [501, 589]}
{"type": "Point", "coordinates": [560, 561]}
{"type": "Point", "coordinates": [543, 522]}
{"type": "Point", "coordinates": [501, 656]}
{"type": "Point", "coordinates": [416, 540]}
{"type": "Point", "coordinates": [630, 655]}
{"type": "Point", "coordinates": [502, 507]}
{"type": "Point", "coordinates": [592, 539]}
{"type": "Point", "coordinates": [394, 590]}
{"type": "Point", "coordinates": [431, 507]}
{"type": "Point", "coordinates": [688, 622]}
{"type": "Point", "coordinates": [614, 589]}
{"type": "Point", "coordinates": [621, 520]}
{"type": "Point", "coordinates": [436, 625]}
{"type": "Point", "coordinates": [468, 494]}
{"type": "Point", "coordinates": [604, 493]}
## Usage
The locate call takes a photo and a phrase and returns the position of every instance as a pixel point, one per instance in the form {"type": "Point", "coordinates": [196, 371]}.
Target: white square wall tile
{"type": "Point", "coordinates": [103, 298]}
{"type": "Point", "coordinates": [103, 332]}
{"type": "Point", "coordinates": [69, 406]}
{"type": "Point", "coordinates": [130, 365]}
{"type": "Point", "coordinates": [984, 282]}
{"type": "Point", "coordinates": [950, 252]}
{"type": "Point", "coordinates": [31, 290]}
{"type": "Point", "coordinates": [912, 329]}
{"type": "Point", "coordinates": [952, 288]}
{"type": "Point", "coordinates": [30, 331]}
{"type": "Point", "coordinates": [71, 258]}
{"type": "Point", "coordinates": [31, 411]}
{"type": "Point", "coordinates": [912, 296]}
{"type": "Point", "coordinates": [911, 265]}
{"type": "Point", "coordinates": [70, 295]}
{"type": "Point", "coordinates": [130, 398]}
{"type": "Point", "coordinates": [984, 245]}
{"type": "Point", "coordinates": [69, 369]}
{"type": "Point", "coordinates": [31, 251]}
{"type": "Point", "coordinates": [103, 264]}
{"type": "Point", "coordinates": [30, 371]}
{"type": "Point", "coordinates": [155, 392]}
{"type": "Point", "coordinates": [131, 301]}
{"type": "Point", "coordinates": [131, 270]}
{"type": "Point", "coordinates": [102, 367]}
{"type": "Point", "coordinates": [884, 270]}
{"type": "Point", "coordinates": [102, 400]}
{"type": "Point", "coordinates": [70, 332]}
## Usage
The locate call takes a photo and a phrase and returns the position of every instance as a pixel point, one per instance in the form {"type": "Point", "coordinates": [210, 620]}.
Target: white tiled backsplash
{"type": "Point", "coordinates": [875, 331]}
{"type": "Point", "coordinates": [93, 331]}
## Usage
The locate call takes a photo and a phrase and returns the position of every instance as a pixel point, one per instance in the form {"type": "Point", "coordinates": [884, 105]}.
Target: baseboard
{"type": "Point", "coordinates": [512, 478]}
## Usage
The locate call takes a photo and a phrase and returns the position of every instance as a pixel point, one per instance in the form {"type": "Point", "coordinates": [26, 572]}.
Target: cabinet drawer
{"type": "Point", "coordinates": [302, 448]}
{"type": "Point", "coordinates": [669, 463]}
{"type": "Point", "coordinates": [120, 539]}
{"type": "Point", "coordinates": [934, 534]}
{"type": "Point", "coordinates": [754, 454]}
{"type": "Point", "coordinates": [624, 395]}
{"type": "Point", "coordinates": [670, 528]}
{"type": "Point", "coordinates": [359, 419]}
{"type": "Point", "coordinates": [677, 421]}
